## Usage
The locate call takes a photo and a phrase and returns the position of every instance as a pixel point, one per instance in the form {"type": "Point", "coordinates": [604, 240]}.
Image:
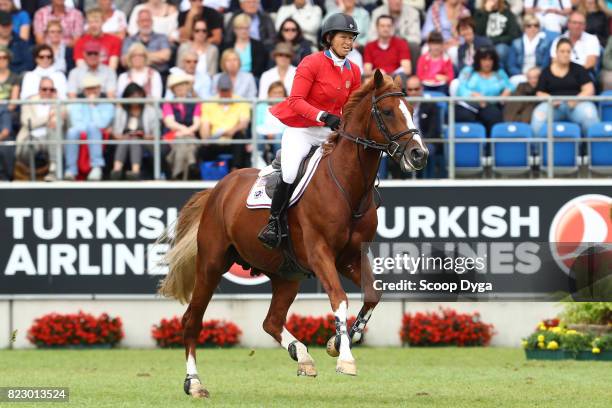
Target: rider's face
{"type": "Point", "coordinates": [342, 44]}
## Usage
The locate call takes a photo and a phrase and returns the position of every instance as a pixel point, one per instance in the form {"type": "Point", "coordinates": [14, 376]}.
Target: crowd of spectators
{"type": "Point", "coordinates": [88, 49]}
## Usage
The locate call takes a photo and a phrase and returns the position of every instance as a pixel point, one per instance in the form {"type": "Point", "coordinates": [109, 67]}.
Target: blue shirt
{"type": "Point", "coordinates": [84, 114]}
{"type": "Point", "coordinates": [246, 59]}
{"type": "Point", "coordinates": [20, 18]}
{"type": "Point", "coordinates": [471, 81]}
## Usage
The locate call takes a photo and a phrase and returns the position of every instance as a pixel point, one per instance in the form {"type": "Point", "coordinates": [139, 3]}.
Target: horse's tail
{"type": "Point", "coordinates": [181, 258]}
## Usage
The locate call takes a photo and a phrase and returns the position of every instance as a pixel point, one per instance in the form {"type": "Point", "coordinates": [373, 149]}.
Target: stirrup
{"type": "Point", "coordinates": [270, 236]}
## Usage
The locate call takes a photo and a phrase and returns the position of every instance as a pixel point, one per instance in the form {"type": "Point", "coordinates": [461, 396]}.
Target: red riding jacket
{"type": "Point", "coordinates": [319, 85]}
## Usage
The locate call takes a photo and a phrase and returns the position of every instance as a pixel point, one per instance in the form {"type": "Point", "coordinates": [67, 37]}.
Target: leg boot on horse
{"type": "Point", "coordinates": [271, 234]}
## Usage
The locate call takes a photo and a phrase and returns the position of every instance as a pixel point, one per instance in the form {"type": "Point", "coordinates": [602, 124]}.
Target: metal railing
{"type": "Point", "coordinates": [255, 141]}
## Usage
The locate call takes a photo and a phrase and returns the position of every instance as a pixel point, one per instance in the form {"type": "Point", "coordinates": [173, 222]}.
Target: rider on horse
{"type": "Point", "coordinates": [323, 83]}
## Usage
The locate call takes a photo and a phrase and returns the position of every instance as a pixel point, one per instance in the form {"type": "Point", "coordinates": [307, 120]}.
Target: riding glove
{"type": "Point", "coordinates": [331, 121]}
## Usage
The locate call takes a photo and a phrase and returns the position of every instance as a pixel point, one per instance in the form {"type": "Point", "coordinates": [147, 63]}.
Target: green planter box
{"type": "Point", "coordinates": [548, 355]}
{"type": "Point", "coordinates": [104, 346]}
{"type": "Point", "coordinates": [586, 356]}
{"type": "Point", "coordinates": [605, 355]}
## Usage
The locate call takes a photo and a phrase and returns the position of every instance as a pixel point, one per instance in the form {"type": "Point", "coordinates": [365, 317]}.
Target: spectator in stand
{"type": "Point", "coordinates": [71, 19]}
{"type": "Point", "coordinates": [426, 119]}
{"type": "Point", "coordinates": [187, 64]}
{"type": "Point", "coordinates": [140, 72]}
{"type": "Point", "coordinates": [43, 55]}
{"type": "Point", "coordinates": [563, 78]}
{"type": "Point", "coordinates": [110, 45]}
{"type": "Point", "coordinates": [198, 11]}
{"type": "Point", "coordinates": [21, 54]}
{"type": "Point", "coordinates": [406, 24]}
{"type": "Point", "coordinates": [495, 21]}
{"type": "Point", "coordinates": [597, 16]}
{"type": "Point", "coordinates": [282, 71]}
{"type": "Point", "coordinates": [243, 83]}
{"type": "Point", "coordinates": [163, 15]}
{"type": "Point", "coordinates": [253, 55]}
{"type": "Point", "coordinates": [388, 52]}
{"type": "Point", "coordinates": [470, 43]}
{"type": "Point", "coordinates": [39, 122]}
{"type": "Point", "coordinates": [442, 17]}
{"type": "Point", "coordinates": [21, 20]}
{"type": "Point", "coordinates": [307, 15]}
{"type": "Point", "coordinates": [585, 46]}
{"type": "Point", "coordinates": [262, 26]}
{"type": "Point", "coordinates": [485, 78]}
{"type": "Point", "coordinates": [157, 44]}
{"type": "Point", "coordinates": [9, 89]}
{"type": "Point", "coordinates": [181, 121]}
{"type": "Point", "coordinates": [606, 72]}
{"type": "Point", "coordinates": [267, 126]}
{"type": "Point", "coordinates": [551, 13]}
{"type": "Point", "coordinates": [62, 56]}
{"type": "Point", "coordinates": [225, 121]}
{"type": "Point", "coordinates": [133, 121]}
{"type": "Point", "coordinates": [523, 111]}
{"type": "Point", "coordinates": [92, 119]}
{"type": "Point", "coordinates": [113, 20]}
{"type": "Point", "coordinates": [207, 53]}
{"type": "Point", "coordinates": [530, 50]}
{"type": "Point", "coordinates": [516, 6]}
{"type": "Point", "coordinates": [359, 14]}
{"type": "Point", "coordinates": [291, 32]}
{"type": "Point", "coordinates": [435, 69]}
{"type": "Point", "coordinates": [92, 68]}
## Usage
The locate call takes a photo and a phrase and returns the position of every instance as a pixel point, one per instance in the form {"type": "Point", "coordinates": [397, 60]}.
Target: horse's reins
{"type": "Point", "coordinates": [392, 148]}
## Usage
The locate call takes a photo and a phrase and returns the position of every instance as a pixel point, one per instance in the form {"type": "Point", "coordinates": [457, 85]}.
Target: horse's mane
{"type": "Point", "coordinates": [358, 96]}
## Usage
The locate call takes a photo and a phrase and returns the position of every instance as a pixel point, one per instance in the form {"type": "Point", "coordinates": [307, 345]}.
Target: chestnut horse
{"type": "Point", "coordinates": [333, 218]}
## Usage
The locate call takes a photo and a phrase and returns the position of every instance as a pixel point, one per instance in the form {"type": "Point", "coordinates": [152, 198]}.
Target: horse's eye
{"type": "Point", "coordinates": [387, 112]}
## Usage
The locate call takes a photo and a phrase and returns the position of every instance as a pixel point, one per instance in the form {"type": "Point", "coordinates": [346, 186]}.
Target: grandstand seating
{"type": "Point", "coordinates": [600, 153]}
{"type": "Point", "coordinates": [469, 156]}
{"type": "Point", "coordinates": [511, 158]}
{"type": "Point", "coordinates": [566, 159]}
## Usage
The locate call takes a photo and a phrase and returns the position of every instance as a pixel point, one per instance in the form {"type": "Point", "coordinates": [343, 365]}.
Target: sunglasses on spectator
{"type": "Point", "coordinates": [190, 61]}
{"type": "Point", "coordinates": [532, 25]}
{"type": "Point", "coordinates": [283, 55]}
{"type": "Point", "coordinates": [47, 89]}
{"type": "Point", "coordinates": [92, 53]}
{"type": "Point", "coordinates": [54, 31]}
{"type": "Point", "coordinates": [4, 57]}
{"type": "Point", "coordinates": [200, 30]}
{"type": "Point", "coordinates": [290, 30]}
{"type": "Point", "coordinates": [413, 89]}
{"type": "Point", "coordinates": [45, 56]}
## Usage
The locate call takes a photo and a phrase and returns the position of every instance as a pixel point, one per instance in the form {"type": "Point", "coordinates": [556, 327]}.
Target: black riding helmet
{"type": "Point", "coordinates": [338, 22]}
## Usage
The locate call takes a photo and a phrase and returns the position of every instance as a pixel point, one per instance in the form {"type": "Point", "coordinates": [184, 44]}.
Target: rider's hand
{"type": "Point", "coordinates": [331, 121]}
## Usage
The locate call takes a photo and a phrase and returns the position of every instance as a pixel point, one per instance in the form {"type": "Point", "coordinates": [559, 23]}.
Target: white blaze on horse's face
{"type": "Point", "coordinates": [410, 123]}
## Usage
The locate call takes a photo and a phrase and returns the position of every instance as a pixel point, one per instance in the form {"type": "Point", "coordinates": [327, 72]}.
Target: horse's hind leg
{"type": "Point", "coordinates": [210, 268]}
{"type": "Point", "coordinates": [283, 295]}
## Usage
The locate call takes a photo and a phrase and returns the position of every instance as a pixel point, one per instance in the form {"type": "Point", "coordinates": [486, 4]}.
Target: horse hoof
{"type": "Point", "coordinates": [332, 351]}
{"type": "Point", "coordinates": [307, 369]}
{"type": "Point", "coordinates": [197, 391]}
{"type": "Point", "coordinates": [346, 367]}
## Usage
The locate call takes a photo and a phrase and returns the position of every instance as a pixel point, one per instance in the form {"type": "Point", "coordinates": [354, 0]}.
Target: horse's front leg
{"type": "Point", "coordinates": [360, 273]}
{"type": "Point", "coordinates": [321, 259]}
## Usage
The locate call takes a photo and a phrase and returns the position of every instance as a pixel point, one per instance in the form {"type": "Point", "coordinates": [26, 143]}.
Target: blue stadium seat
{"type": "Point", "coordinates": [600, 153]}
{"type": "Point", "coordinates": [606, 108]}
{"type": "Point", "coordinates": [565, 157]}
{"type": "Point", "coordinates": [511, 158]}
{"type": "Point", "coordinates": [469, 156]}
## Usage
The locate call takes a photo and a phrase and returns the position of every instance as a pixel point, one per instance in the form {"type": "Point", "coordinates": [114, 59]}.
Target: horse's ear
{"type": "Point", "coordinates": [378, 79]}
{"type": "Point", "coordinates": [398, 82]}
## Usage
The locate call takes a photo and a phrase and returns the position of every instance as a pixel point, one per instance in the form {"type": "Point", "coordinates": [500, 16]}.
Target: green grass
{"type": "Point", "coordinates": [388, 377]}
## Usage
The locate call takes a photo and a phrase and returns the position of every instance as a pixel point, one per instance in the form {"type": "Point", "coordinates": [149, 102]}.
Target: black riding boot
{"type": "Point", "coordinates": [270, 235]}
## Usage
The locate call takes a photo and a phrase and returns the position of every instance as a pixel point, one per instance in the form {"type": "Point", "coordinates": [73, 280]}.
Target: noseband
{"type": "Point", "coordinates": [392, 147]}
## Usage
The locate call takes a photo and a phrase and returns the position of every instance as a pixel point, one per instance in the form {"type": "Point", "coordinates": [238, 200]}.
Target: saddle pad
{"type": "Point", "coordinates": [258, 198]}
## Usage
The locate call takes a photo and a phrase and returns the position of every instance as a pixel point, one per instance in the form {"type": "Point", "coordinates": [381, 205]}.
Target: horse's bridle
{"type": "Point", "coordinates": [392, 148]}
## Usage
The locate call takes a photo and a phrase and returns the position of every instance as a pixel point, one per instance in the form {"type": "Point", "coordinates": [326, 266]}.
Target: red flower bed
{"type": "Point", "coordinates": [445, 328]}
{"type": "Point", "coordinates": [169, 333]}
{"type": "Point", "coordinates": [55, 329]}
{"type": "Point", "coordinates": [314, 330]}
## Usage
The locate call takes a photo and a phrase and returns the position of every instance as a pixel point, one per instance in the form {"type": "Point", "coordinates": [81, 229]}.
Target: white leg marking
{"type": "Point", "coordinates": [191, 366]}
{"type": "Point", "coordinates": [410, 122]}
{"type": "Point", "coordinates": [345, 350]}
{"type": "Point", "coordinates": [302, 353]}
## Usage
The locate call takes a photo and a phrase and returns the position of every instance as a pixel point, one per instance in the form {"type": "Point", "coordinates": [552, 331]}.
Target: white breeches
{"type": "Point", "coordinates": [296, 144]}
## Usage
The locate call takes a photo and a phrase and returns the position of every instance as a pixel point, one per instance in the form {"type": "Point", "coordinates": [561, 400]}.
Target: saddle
{"type": "Point", "coordinates": [290, 268]}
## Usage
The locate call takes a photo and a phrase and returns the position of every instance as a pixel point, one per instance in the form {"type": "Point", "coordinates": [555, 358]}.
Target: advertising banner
{"type": "Point", "coordinates": [100, 240]}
